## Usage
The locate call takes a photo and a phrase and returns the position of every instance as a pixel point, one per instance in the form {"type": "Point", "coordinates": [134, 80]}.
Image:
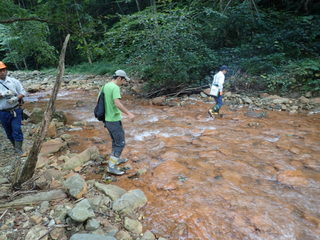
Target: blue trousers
{"type": "Point", "coordinates": [219, 103]}
{"type": "Point", "coordinates": [117, 135]}
{"type": "Point", "coordinates": [12, 124]}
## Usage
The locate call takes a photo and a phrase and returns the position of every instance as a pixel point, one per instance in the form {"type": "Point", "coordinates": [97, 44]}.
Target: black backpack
{"type": "Point", "coordinates": [99, 110]}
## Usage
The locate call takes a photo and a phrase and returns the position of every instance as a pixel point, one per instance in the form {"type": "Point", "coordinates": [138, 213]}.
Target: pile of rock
{"type": "Point", "coordinates": [271, 102]}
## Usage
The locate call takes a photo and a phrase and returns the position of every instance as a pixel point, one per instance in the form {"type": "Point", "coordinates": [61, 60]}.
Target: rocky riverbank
{"type": "Point", "coordinates": [38, 81]}
{"type": "Point", "coordinates": [61, 202]}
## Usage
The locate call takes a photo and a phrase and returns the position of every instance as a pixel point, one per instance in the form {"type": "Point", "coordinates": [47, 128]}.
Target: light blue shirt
{"type": "Point", "coordinates": [15, 86]}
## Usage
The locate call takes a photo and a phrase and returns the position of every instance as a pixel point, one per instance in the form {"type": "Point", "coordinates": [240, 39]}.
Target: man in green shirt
{"type": "Point", "coordinates": [114, 108]}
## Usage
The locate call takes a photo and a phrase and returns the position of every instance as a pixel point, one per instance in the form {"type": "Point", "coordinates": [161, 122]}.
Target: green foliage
{"type": "Point", "coordinates": [26, 42]}
{"type": "Point", "coordinates": [99, 68]}
{"type": "Point", "coordinates": [164, 48]}
{"type": "Point", "coordinates": [302, 75]}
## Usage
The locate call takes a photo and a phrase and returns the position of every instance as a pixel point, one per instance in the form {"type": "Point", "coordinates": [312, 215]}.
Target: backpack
{"type": "Point", "coordinates": [99, 110]}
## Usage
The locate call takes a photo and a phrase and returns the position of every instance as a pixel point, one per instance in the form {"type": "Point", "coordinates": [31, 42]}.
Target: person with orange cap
{"type": "Point", "coordinates": [11, 95]}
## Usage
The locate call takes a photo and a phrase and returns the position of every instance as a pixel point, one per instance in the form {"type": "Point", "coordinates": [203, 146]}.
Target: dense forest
{"type": "Point", "coordinates": [269, 45]}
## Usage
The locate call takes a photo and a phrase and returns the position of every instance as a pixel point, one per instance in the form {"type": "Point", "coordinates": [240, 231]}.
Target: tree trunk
{"type": "Point", "coordinates": [31, 162]}
{"type": "Point", "coordinates": [138, 5]}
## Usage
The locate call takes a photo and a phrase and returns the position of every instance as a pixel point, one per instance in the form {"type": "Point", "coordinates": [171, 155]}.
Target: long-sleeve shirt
{"type": "Point", "coordinates": [15, 86]}
{"type": "Point", "coordinates": [218, 80]}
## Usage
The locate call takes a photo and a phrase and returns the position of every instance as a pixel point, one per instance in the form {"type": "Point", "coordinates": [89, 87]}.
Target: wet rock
{"type": "Point", "coordinates": [130, 201]}
{"type": "Point", "coordinates": [112, 191]}
{"type": "Point", "coordinates": [132, 225]}
{"type": "Point", "coordinates": [82, 211]}
{"type": "Point", "coordinates": [76, 186]}
{"type": "Point", "coordinates": [256, 114]}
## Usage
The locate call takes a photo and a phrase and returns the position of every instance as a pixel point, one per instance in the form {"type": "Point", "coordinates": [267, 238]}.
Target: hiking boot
{"type": "Point", "coordinates": [112, 166]}
{"type": "Point", "coordinates": [18, 147]}
{"type": "Point", "coordinates": [210, 112]}
{"type": "Point", "coordinates": [115, 171]}
{"type": "Point", "coordinates": [117, 160]}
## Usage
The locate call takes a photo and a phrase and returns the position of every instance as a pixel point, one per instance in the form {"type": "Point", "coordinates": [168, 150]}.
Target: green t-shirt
{"type": "Point", "coordinates": [111, 92]}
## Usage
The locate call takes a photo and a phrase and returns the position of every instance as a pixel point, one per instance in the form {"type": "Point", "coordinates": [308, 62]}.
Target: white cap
{"type": "Point", "coordinates": [121, 73]}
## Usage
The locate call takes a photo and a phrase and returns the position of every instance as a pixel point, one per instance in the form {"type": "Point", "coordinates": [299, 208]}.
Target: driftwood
{"type": "Point", "coordinates": [175, 92]}
{"type": "Point", "coordinates": [31, 162]}
{"type": "Point", "coordinates": [35, 198]}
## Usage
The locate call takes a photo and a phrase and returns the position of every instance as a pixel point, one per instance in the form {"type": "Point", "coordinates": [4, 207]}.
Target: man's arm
{"type": "Point", "coordinates": [123, 109]}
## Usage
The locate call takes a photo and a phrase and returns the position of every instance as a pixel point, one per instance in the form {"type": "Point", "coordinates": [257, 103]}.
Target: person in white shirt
{"type": "Point", "coordinates": [11, 95]}
{"type": "Point", "coordinates": [217, 87]}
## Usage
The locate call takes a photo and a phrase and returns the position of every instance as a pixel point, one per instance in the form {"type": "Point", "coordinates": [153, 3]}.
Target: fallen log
{"type": "Point", "coordinates": [35, 198]}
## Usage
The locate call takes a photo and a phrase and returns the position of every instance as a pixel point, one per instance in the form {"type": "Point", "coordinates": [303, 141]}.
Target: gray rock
{"type": "Point", "coordinates": [130, 201]}
{"type": "Point", "coordinates": [76, 186]}
{"type": "Point", "coordinates": [92, 224]}
{"type": "Point", "coordinates": [85, 236]}
{"type": "Point", "coordinates": [112, 191]}
{"type": "Point", "coordinates": [82, 211]}
{"type": "Point", "coordinates": [91, 153]}
{"type": "Point", "coordinates": [256, 114]}
{"type": "Point", "coordinates": [44, 206]}
{"type": "Point", "coordinates": [123, 235]}
{"type": "Point", "coordinates": [132, 225]}
{"type": "Point", "coordinates": [36, 115]}
{"type": "Point", "coordinates": [148, 236]}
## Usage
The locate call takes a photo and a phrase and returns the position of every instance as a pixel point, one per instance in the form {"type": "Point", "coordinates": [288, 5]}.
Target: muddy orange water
{"type": "Point", "coordinates": [231, 178]}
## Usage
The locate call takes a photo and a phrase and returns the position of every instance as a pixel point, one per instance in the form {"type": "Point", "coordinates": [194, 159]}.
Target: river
{"type": "Point", "coordinates": [237, 177]}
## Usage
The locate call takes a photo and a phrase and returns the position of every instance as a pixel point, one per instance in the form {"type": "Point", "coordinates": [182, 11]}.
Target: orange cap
{"type": "Point", "coordinates": [2, 65]}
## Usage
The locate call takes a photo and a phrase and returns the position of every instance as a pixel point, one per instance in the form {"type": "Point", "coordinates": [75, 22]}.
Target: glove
{"type": "Point", "coordinates": [7, 94]}
{"type": "Point", "coordinates": [13, 100]}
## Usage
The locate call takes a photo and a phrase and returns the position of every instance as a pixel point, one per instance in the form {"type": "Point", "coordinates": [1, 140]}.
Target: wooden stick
{"type": "Point", "coordinates": [3, 214]}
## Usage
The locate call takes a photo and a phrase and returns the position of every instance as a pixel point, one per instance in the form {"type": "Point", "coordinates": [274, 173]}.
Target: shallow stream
{"type": "Point", "coordinates": [237, 177]}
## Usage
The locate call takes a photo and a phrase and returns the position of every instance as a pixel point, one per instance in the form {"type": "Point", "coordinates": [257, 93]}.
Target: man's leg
{"type": "Point", "coordinates": [118, 138]}
{"type": "Point", "coordinates": [16, 131]}
{"type": "Point", "coordinates": [118, 142]}
{"type": "Point", "coordinates": [5, 118]}
{"type": "Point", "coordinates": [218, 105]}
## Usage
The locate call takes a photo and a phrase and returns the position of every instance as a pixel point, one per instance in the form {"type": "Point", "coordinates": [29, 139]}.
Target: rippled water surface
{"type": "Point", "coordinates": [232, 178]}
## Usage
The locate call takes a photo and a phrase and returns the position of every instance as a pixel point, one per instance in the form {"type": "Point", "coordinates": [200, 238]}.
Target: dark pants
{"type": "Point", "coordinates": [117, 134]}
{"type": "Point", "coordinates": [12, 124]}
{"type": "Point", "coordinates": [219, 103]}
